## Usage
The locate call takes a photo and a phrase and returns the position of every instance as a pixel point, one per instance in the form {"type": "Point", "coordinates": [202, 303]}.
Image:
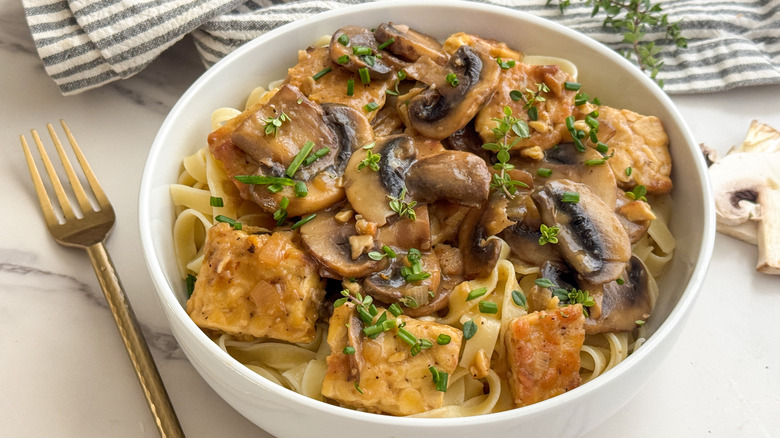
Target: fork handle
{"type": "Point", "coordinates": [151, 383]}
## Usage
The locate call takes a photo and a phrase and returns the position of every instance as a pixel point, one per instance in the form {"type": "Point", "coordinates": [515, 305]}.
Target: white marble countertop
{"type": "Point", "coordinates": [64, 371]}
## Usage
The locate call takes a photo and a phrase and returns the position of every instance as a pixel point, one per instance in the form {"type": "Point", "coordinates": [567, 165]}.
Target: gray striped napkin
{"type": "Point", "coordinates": [87, 43]}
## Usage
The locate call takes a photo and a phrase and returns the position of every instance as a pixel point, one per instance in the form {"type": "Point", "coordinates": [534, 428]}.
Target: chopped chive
{"type": "Point", "coordinates": [543, 171]}
{"type": "Point", "coordinates": [275, 188]}
{"type": "Point", "coordinates": [371, 106]}
{"type": "Point", "coordinates": [260, 179]}
{"type": "Point", "coordinates": [407, 337]}
{"type": "Point", "coordinates": [596, 162]}
{"type": "Point", "coordinates": [348, 350]}
{"type": "Point", "coordinates": [191, 284]}
{"type": "Point", "coordinates": [321, 73]}
{"type": "Point", "coordinates": [573, 86]}
{"type": "Point", "coordinates": [280, 215]}
{"type": "Point", "coordinates": [299, 157]}
{"type": "Point", "coordinates": [319, 153]}
{"type": "Point", "coordinates": [412, 277]}
{"type": "Point", "coordinates": [385, 44]}
{"type": "Point", "coordinates": [304, 221]}
{"type": "Point", "coordinates": [300, 189]}
{"type": "Point", "coordinates": [343, 59]}
{"type": "Point", "coordinates": [389, 251]}
{"type": "Point", "coordinates": [572, 197]}
{"type": "Point", "coordinates": [232, 222]}
{"type": "Point", "coordinates": [441, 383]}
{"type": "Point", "coordinates": [601, 147]}
{"type": "Point", "coordinates": [443, 339]}
{"type": "Point", "coordinates": [488, 307]}
{"type": "Point", "coordinates": [365, 77]}
{"type": "Point", "coordinates": [452, 79]}
{"type": "Point", "coordinates": [639, 322]}
{"type": "Point", "coordinates": [361, 50]}
{"type": "Point", "coordinates": [469, 329]}
{"type": "Point", "coordinates": [343, 39]}
{"type": "Point", "coordinates": [476, 293]}
{"type": "Point", "coordinates": [357, 387]}
{"type": "Point", "coordinates": [350, 87]}
{"type": "Point", "coordinates": [580, 99]}
{"type": "Point", "coordinates": [518, 297]}
{"type": "Point", "coordinates": [395, 309]}
{"type": "Point", "coordinates": [215, 201]}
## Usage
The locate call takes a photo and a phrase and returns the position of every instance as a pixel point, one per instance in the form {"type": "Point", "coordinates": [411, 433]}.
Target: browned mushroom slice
{"type": "Point", "coordinates": [523, 236]}
{"type": "Point", "coordinates": [247, 147]}
{"type": "Point", "coordinates": [390, 285]}
{"type": "Point", "coordinates": [367, 189]}
{"type": "Point", "coordinates": [467, 139]}
{"type": "Point", "coordinates": [591, 238]}
{"type": "Point", "coordinates": [352, 130]}
{"type": "Point", "coordinates": [456, 176]}
{"type": "Point", "coordinates": [303, 121]}
{"type": "Point", "coordinates": [634, 215]}
{"type": "Point", "coordinates": [623, 304]}
{"type": "Point", "coordinates": [327, 240]}
{"type": "Point", "coordinates": [445, 219]}
{"type": "Point", "coordinates": [410, 44]}
{"type": "Point", "coordinates": [447, 106]}
{"type": "Point", "coordinates": [355, 48]}
{"type": "Point", "coordinates": [480, 255]}
{"type": "Point", "coordinates": [402, 232]}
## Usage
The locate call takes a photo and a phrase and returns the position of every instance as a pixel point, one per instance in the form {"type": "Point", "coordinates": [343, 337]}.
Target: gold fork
{"type": "Point", "coordinates": [89, 232]}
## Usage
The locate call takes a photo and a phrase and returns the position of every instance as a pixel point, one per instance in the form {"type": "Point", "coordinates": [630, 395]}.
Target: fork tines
{"type": "Point", "coordinates": [81, 196]}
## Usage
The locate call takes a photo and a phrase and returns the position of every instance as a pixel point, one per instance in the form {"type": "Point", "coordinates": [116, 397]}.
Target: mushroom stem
{"type": "Point", "coordinates": [769, 232]}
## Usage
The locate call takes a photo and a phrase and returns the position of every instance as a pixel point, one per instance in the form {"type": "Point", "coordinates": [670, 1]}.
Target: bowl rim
{"type": "Point", "coordinates": [167, 298]}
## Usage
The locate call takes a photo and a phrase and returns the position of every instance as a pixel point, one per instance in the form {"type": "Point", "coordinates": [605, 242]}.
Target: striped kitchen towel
{"type": "Point", "coordinates": [87, 43]}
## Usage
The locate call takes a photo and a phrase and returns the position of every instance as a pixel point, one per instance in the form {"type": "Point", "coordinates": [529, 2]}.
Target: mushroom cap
{"type": "Point", "coordinates": [622, 305]}
{"type": "Point", "coordinates": [737, 180]}
{"type": "Point", "coordinates": [456, 176]}
{"type": "Point", "coordinates": [591, 238]}
{"type": "Point", "coordinates": [368, 190]}
{"type": "Point", "coordinates": [358, 37]}
{"type": "Point", "coordinates": [443, 108]}
{"type": "Point", "coordinates": [410, 44]}
{"type": "Point", "coordinates": [327, 240]}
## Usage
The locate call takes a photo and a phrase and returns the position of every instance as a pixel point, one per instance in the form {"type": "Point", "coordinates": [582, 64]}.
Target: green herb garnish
{"type": "Point", "coordinates": [549, 234]}
{"type": "Point", "coordinates": [572, 197]}
{"type": "Point", "coordinates": [476, 293]}
{"type": "Point", "coordinates": [638, 194]}
{"type": "Point", "coordinates": [299, 157]}
{"type": "Point", "coordinates": [215, 201]}
{"type": "Point", "coordinates": [403, 208]}
{"type": "Point", "coordinates": [469, 329]}
{"type": "Point", "coordinates": [518, 297]}
{"type": "Point", "coordinates": [321, 73]}
{"type": "Point", "coordinates": [272, 124]}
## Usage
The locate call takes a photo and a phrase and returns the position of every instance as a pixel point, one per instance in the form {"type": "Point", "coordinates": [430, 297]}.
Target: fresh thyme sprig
{"type": "Point", "coordinates": [403, 208]}
{"type": "Point", "coordinates": [634, 19]}
{"type": "Point", "coordinates": [502, 180]}
{"type": "Point", "coordinates": [272, 124]}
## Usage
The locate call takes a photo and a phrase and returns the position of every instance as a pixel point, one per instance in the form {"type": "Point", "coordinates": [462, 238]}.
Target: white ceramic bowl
{"type": "Point", "coordinates": [604, 73]}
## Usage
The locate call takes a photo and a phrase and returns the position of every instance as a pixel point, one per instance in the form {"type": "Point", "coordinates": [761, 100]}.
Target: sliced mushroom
{"type": "Point", "coordinates": [245, 148]}
{"type": "Point", "coordinates": [368, 190]}
{"type": "Point", "coordinates": [410, 44]}
{"type": "Point", "coordinates": [622, 304]}
{"type": "Point", "coordinates": [445, 107]}
{"type": "Point", "coordinates": [523, 237]}
{"type": "Point", "coordinates": [745, 185]}
{"type": "Point", "coordinates": [591, 238]}
{"type": "Point", "coordinates": [455, 176]}
{"type": "Point", "coordinates": [445, 219]}
{"type": "Point", "coordinates": [467, 139]}
{"type": "Point", "coordinates": [349, 43]}
{"type": "Point", "coordinates": [634, 215]}
{"type": "Point", "coordinates": [352, 130]}
{"type": "Point", "coordinates": [406, 233]}
{"type": "Point", "coordinates": [479, 253]}
{"type": "Point", "coordinates": [389, 285]}
{"type": "Point", "coordinates": [276, 149]}
{"type": "Point", "coordinates": [327, 240]}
